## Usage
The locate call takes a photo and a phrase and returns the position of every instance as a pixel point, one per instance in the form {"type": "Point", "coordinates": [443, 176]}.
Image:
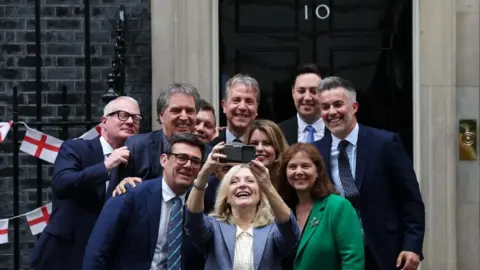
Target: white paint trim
{"type": "Point", "coordinates": [416, 88]}
{"type": "Point", "coordinates": [215, 60]}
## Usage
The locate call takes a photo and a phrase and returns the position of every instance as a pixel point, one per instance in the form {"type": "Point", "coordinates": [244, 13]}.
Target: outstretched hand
{"type": "Point", "coordinates": [261, 173]}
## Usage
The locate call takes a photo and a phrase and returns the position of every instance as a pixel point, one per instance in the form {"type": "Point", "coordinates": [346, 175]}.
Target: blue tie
{"type": "Point", "coordinates": [174, 238]}
{"type": "Point", "coordinates": [346, 177]}
{"type": "Point", "coordinates": [310, 134]}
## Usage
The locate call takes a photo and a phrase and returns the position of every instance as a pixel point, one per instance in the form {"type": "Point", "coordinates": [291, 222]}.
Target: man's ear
{"type": "Point", "coordinates": [163, 160]}
{"type": "Point", "coordinates": [223, 106]}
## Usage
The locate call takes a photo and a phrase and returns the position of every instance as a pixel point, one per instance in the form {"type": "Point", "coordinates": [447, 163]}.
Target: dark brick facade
{"type": "Point", "coordinates": [62, 51]}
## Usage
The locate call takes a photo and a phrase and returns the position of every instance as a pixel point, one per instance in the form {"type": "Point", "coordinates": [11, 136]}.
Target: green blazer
{"type": "Point", "coordinates": [332, 237]}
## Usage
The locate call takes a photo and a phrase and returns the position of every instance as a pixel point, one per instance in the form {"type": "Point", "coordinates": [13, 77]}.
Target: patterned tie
{"type": "Point", "coordinates": [174, 238]}
{"type": "Point", "coordinates": [310, 134]}
{"type": "Point", "coordinates": [346, 177]}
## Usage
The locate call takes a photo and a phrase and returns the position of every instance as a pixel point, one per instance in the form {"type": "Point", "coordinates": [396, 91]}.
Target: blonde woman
{"type": "Point", "coordinates": [270, 143]}
{"type": "Point", "coordinates": [250, 228]}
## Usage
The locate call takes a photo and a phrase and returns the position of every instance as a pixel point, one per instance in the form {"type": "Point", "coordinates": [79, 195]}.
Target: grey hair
{"type": "Point", "coordinates": [333, 82]}
{"type": "Point", "coordinates": [110, 107]}
{"type": "Point", "coordinates": [246, 80]}
{"type": "Point", "coordinates": [177, 88]}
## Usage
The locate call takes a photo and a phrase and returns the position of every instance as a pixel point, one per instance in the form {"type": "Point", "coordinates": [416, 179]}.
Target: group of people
{"type": "Point", "coordinates": [323, 192]}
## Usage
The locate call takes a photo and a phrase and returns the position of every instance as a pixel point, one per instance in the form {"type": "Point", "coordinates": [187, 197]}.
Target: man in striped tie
{"type": "Point", "coordinates": [143, 228]}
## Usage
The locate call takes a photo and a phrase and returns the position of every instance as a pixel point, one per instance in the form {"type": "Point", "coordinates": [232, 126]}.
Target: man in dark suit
{"type": "Point", "coordinates": [307, 126]}
{"type": "Point", "coordinates": [81, 173]}
{"type": "Point", "coordinates": [143, 228]}
{"type": "Point", "coordinates": [177, 108]}
{"type": "Point", "coordinates": [371, 168]}
{"type": "Point", "coordinates": [240, 105]}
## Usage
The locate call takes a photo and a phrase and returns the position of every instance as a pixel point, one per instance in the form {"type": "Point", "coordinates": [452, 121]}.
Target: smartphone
{"type": "Point", "coordinates": [238, 153]}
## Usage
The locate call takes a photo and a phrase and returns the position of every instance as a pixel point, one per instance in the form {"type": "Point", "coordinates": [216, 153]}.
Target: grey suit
{"type": "Point", "coordinates": [217, 239]}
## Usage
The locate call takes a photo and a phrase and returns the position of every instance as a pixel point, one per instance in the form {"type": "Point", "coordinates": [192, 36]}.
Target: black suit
{"type": "Point", "coordinates": [222, 137]}
{"type": "Point", "coordinates": [391, 206]}
{"type": "Point", "coordinates": [289, 128]}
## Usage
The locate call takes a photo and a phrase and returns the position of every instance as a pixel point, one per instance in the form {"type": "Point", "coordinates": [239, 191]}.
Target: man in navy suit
{"type": "Point", "coordinates": [177, 108]}
{"type": "Point", "coordinates": [370, 167]}
{"type": "Point", "coordinates": [133, 230]}
{"type": "Point", "coordinates": [81, 174]}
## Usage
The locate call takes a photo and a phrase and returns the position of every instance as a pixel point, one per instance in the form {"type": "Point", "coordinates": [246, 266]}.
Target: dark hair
{"type": "Point", "coordinates": [205, 105]}
{"type": "Point", "coordinates": [333, 82]}
{"type": "Point", "coordinates": [322, 186]}
{"type": "Point", "coordinates": [187, 138]}
{"type": "Point", "coordinates": [176, 88]}
{"type": "Point", "coordinates": [307, 69]}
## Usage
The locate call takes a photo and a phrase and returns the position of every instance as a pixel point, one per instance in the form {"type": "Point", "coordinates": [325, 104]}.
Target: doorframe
{"type": "Point", "coordinates": [415, 69]}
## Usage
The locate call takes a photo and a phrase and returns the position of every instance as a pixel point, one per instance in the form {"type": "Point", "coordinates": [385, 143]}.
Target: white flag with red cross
{"type": "Point", "coordinates": [4, 128]}
{"type": "Point", "coordinates": [92, 133]}
{"type": "Point", "coordinates": [40, 145]}
{"type": "Point", "coordinates": [3, 231]}
{"type": "Point", "coordinates": [38, 219]}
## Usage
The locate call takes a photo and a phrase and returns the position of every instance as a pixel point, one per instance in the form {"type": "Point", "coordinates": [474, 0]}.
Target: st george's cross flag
{"type": "Point", "coordinates": [38, 219]}
{"type": "Point", "coordinates": [3, 231]}
{"type": "Point", "coordinates": [92, 133]}
{"type": "Point", "coordinates": [40, 145]}
{"type": "Point", "coordinates": [4, 128]}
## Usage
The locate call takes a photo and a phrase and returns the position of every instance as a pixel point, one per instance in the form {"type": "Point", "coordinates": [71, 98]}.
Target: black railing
{"type": "Point", "coordinates": [116, 78]}
{"type": "Point", "coordinates": [62, 127]}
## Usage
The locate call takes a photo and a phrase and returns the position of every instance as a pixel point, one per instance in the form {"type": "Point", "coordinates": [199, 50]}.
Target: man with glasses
{"type": "Point", "coordinates": [81, 175]}
{"type": "Point", "coordinates": [143, 228]}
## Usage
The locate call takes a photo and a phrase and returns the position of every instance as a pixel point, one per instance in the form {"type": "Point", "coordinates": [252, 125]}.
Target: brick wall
{"type": "Point", "coordinates": [62, 34]}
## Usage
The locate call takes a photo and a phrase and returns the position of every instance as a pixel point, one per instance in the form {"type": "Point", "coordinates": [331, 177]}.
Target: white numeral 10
{"type": "Point", "coordinates": [318, 12]}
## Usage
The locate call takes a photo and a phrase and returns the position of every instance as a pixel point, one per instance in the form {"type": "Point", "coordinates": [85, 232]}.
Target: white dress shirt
{"type": "Point", "coordinates": [319, 127]}
{"type": "Point", "coordinates": [107, 150]}
{"type": "Point", "coordinates": [161, 249]}
{"type": "Point", "coordinates": [243, 257]}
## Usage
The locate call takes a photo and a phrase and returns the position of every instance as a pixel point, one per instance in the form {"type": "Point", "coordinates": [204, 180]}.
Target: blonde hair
{"type": "Point", "coordinates": [223, 210]}
{"type": "Point", "coordinates": [275, 135]}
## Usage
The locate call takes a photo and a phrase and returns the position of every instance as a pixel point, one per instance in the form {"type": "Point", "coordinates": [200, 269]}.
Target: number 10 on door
{"type": "Point", "coordinates": [321, 12]}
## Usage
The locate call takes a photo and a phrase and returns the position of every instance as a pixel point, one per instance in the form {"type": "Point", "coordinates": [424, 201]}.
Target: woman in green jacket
{"type": "Point", "coordinates": [331, 232]}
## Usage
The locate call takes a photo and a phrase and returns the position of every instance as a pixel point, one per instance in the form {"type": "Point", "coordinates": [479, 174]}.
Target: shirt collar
{"type": "Point", "coordinates": [168, 194]}
{"type": "Point", "coordinates": [351, 138]}
{"type": "Point", "coordinates": [229, 137]}
{"type": "Point", "coordinates": [317, 125]}
{"type": "Point", "coordinates": [106, 147]}
{"type": "Point", "coordinates": [248, 231]}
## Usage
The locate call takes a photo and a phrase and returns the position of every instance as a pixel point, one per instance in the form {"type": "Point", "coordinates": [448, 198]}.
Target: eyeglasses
{"type": "Point", "coordinates": [182, 159]}
{"type": "Point", "coordinates": [123, 116]}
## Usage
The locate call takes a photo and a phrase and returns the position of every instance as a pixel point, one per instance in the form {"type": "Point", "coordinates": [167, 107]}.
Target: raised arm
{"type": "Point", "coordinates": [69, 177]}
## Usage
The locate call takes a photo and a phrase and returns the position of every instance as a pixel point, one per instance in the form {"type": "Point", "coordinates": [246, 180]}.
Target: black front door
{"type": "Point", "coordinates": [367, 42]}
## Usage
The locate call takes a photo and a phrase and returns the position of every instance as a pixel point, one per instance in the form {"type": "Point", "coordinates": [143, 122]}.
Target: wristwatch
{"type": "Point", "coordinates": [197, 186]}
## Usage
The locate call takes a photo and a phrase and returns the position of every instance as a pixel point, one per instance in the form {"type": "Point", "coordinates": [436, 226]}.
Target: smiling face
{"type": "Point", "coordinates": [338, 111]}
{"type": "Point", "coordinates": [205, 125]}
{"type": "Point", "coordinates": [118, 129]}
{"type": "Point", "coordinates": [179, 115]}
{"type": "Point", "coordinates": [240, 107]}
{"type": "Point", "coordinates": [179, 172]}
{"type": "Point", "coordinates": [264, 146]}
{"type": "Point", "coordinates": [301, 172]}
{"type": "Point", "coordinates": [243, 190]}
{"type": "Point", "coordinates": [305, 96]}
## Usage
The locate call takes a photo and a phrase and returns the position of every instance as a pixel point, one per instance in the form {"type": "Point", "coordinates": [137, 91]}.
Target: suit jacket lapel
{"type": "Point", "coordinates": [98, 157]}
{"type": "Point", "coordinates": [260, 236]}
{"type": "Point", "coordinates": [313, 221]}
{"type": "Point", "coordinates": [153, 204]}
{"type": "Point", "coordinates": [291, 133]}
{"type": "Point", "coordinates": [325, 145]}
{"type": "Point", "coordinates": [361, 159]}
{"type": "Point", "coordinates": [229, 236]}
{"type": "Point", "coordinates": [155, 149]}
